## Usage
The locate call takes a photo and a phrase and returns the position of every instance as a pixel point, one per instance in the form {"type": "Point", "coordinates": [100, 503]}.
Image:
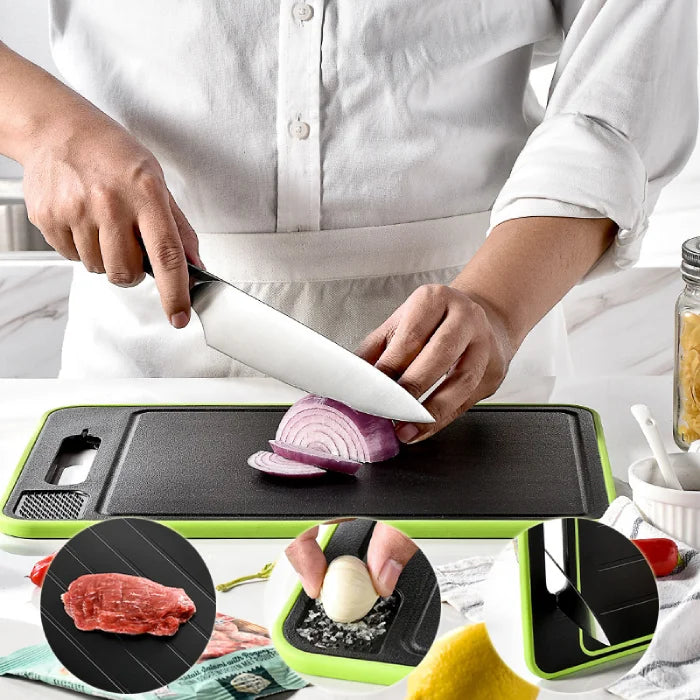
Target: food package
{"type": "Point", "coordinates": [233, 634]}
{"type": "Point", "coordinates": [255, 670]}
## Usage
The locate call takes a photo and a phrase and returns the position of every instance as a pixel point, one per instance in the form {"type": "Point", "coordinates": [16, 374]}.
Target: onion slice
{"type": "Point", "coordinates": [317, 458]}
{"type": "Point", "coordinates": [276, 465]}
{"type": "Point", "coordinates": [329, 427]}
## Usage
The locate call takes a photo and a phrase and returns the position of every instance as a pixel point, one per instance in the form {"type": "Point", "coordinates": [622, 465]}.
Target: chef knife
{"type": "Point", "coordinates": [572, 604]}
{"type": "Point", "coordinates": [248, 330]}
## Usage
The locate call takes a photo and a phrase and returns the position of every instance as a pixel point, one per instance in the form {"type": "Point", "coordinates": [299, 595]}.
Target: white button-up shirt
{"type": "Point", "coordinates": [311, 115]}
{"type": "Point", "coordinates": [283, 115]}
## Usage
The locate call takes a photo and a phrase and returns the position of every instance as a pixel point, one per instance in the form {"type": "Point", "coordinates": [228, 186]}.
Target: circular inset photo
{"type": "Point", "coordinates": [128, 605]}
{"type": "Point", "coordinates": [572, 604]}
{"type": "Point", "coordinates": [353, 605]}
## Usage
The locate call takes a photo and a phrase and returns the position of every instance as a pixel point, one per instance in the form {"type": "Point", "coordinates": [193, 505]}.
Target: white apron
{"type": "Point", "coordinates": [342, 283]}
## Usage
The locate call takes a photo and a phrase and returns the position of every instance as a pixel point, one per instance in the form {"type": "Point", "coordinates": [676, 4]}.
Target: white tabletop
{"type": "Point", "coordinates": [23, 401]}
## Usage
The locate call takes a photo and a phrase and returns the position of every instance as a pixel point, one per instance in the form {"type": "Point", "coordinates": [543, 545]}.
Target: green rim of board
{"type": "Point", "coordinates": [260, 529]}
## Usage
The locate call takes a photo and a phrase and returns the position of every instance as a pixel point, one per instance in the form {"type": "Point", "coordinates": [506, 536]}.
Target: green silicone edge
{"type": "Point", "coordinates": [638, 643]}
{"type": "Point", "coordinates": [527, 623]}
{"type": "Point", "coordinates": [603, 451]}
{"type": "Point", "coordinates": [220, 529]}
{"type": "Point", "coordinates": [523, 552]}
{"type": "Point", "coordinates": [330, 666]}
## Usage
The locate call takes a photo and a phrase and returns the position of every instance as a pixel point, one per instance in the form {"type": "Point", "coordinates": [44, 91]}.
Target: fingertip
{"type": "Point", "coordinates": [310, 588]}
{"type": "Point", "coordinates": [421, 436]}
{"type": "Point", "coordinates": [309, 561]}
{"type": "Point", "coordinates": [180, 319]}
{"type": "Point", "coordinates": [387, 578]}
{"type": "Point", "coordinates": [407, 432]}
{"type": "Point", "coordinates": [388, 553]}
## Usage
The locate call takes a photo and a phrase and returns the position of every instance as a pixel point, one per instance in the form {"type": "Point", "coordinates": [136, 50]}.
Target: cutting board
{"type": "Point", "coordinates": [491, 473]}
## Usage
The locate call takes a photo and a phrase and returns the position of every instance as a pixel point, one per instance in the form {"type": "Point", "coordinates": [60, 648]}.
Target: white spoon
{"type": "Point", "coordinates": [648, 425]}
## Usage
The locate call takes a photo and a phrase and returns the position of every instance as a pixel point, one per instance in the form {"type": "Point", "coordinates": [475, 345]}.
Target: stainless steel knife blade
{"type": "Point", "coordinates": [572, 604]}
{"type": "Point", "coordinates": [271, 342]}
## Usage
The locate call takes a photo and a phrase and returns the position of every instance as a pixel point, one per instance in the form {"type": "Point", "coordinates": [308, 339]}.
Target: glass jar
{"type": "Point", "coordinates": [686, 385]}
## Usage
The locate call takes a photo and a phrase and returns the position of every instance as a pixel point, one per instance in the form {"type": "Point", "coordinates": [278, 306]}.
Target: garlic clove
{"type": "Point", "coordinates": [347, 593]}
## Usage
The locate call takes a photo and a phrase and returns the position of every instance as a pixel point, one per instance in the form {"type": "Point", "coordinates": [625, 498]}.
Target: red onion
{"type": "Point", "coordinates": [307, 455]}
{"type": "Point", "coordinates": [274, 464]}
{"type": "Point", "coordinates": [329, 427]}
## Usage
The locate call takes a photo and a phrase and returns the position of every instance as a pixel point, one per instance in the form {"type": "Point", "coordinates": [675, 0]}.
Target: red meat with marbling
{"type": "Point", "coordinates": [126, 605]}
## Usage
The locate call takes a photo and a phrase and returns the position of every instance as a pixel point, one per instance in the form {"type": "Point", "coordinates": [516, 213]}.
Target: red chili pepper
{"type": "Point", "coordinates": [38, 573]}
{"type": "Point", "coordinates": [661, 553]}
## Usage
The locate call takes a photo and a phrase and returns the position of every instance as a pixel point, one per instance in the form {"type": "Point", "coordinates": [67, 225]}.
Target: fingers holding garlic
{"type": "Point", "coordinates": [337, 607]}
{"type": "Point", "coordinates": [347, 593]}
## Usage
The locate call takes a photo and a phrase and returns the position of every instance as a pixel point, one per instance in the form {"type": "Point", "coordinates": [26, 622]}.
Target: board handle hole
{"type": "Point", "coordinates": [74, 459]}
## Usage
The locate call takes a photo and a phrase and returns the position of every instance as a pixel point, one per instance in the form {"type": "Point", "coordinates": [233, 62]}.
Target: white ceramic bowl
{"type": "Point", "coordinates": [675, 512]}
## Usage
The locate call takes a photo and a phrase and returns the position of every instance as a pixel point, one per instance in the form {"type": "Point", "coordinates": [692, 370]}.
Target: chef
{"type": "Point", "coordinates": [379, 170]}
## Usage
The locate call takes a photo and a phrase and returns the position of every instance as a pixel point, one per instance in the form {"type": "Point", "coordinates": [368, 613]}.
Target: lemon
{"type": "Point", "coordinates": [464, 665]}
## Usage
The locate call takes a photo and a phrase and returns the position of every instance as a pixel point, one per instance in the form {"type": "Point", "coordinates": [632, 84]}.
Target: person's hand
{"type": "Point", "coordinates": [308, 560]}
{"type": "Point", "coordinates": [94, 191]}
{"type": "Point", "coordinates": [388, 553]}
{"type": "Point", "coordinates": [438, 331]}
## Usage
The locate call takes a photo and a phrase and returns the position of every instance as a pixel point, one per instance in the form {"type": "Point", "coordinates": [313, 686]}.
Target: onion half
{"type": "Point", "coordinates": [276, 465]}
{"type": "Point", "coordinates": [329, 427]}
{"type": "Point", "coordinates": [317, 458]}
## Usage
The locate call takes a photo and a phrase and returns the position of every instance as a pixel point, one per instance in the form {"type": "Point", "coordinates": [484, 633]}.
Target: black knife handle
{"type": "Point", "coordinates": [196, 273]}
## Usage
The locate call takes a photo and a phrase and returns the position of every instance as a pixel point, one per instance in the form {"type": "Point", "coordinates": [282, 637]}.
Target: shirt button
{"type": "Point", "coordinates": [302, 11]}
{"type": "Point", "coordinates": [300, 130]}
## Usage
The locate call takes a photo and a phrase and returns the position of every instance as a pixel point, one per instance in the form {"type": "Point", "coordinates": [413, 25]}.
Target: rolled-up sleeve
{"type": "Point", "coordinates": [620, 122]}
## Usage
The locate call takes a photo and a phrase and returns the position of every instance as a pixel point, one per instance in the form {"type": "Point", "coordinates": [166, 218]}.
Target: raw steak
{"type": "Point", "coordinates": [126, 604]}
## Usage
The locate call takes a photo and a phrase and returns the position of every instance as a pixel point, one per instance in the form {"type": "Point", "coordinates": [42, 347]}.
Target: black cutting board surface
{"type": "Point", "coordinates": [178, 462]}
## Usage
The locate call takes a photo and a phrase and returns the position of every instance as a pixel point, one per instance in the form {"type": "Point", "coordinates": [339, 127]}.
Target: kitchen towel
{"type": "Point", "coordinates": [670, 668]}
{"type": "Point", "coordinates": [460, 585]}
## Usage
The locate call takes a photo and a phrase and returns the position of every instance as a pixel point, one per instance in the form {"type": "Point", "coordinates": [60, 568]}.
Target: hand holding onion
{"type": "Point", "coordinates": [438, 331]}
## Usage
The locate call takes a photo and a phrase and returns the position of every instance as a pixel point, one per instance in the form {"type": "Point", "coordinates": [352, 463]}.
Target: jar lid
{"type": "Point", "coordinates": [690, 251]}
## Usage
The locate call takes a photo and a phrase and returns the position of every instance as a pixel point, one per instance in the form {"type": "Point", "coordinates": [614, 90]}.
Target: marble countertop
{"type": "Point", "coordinates": [23, 401]}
